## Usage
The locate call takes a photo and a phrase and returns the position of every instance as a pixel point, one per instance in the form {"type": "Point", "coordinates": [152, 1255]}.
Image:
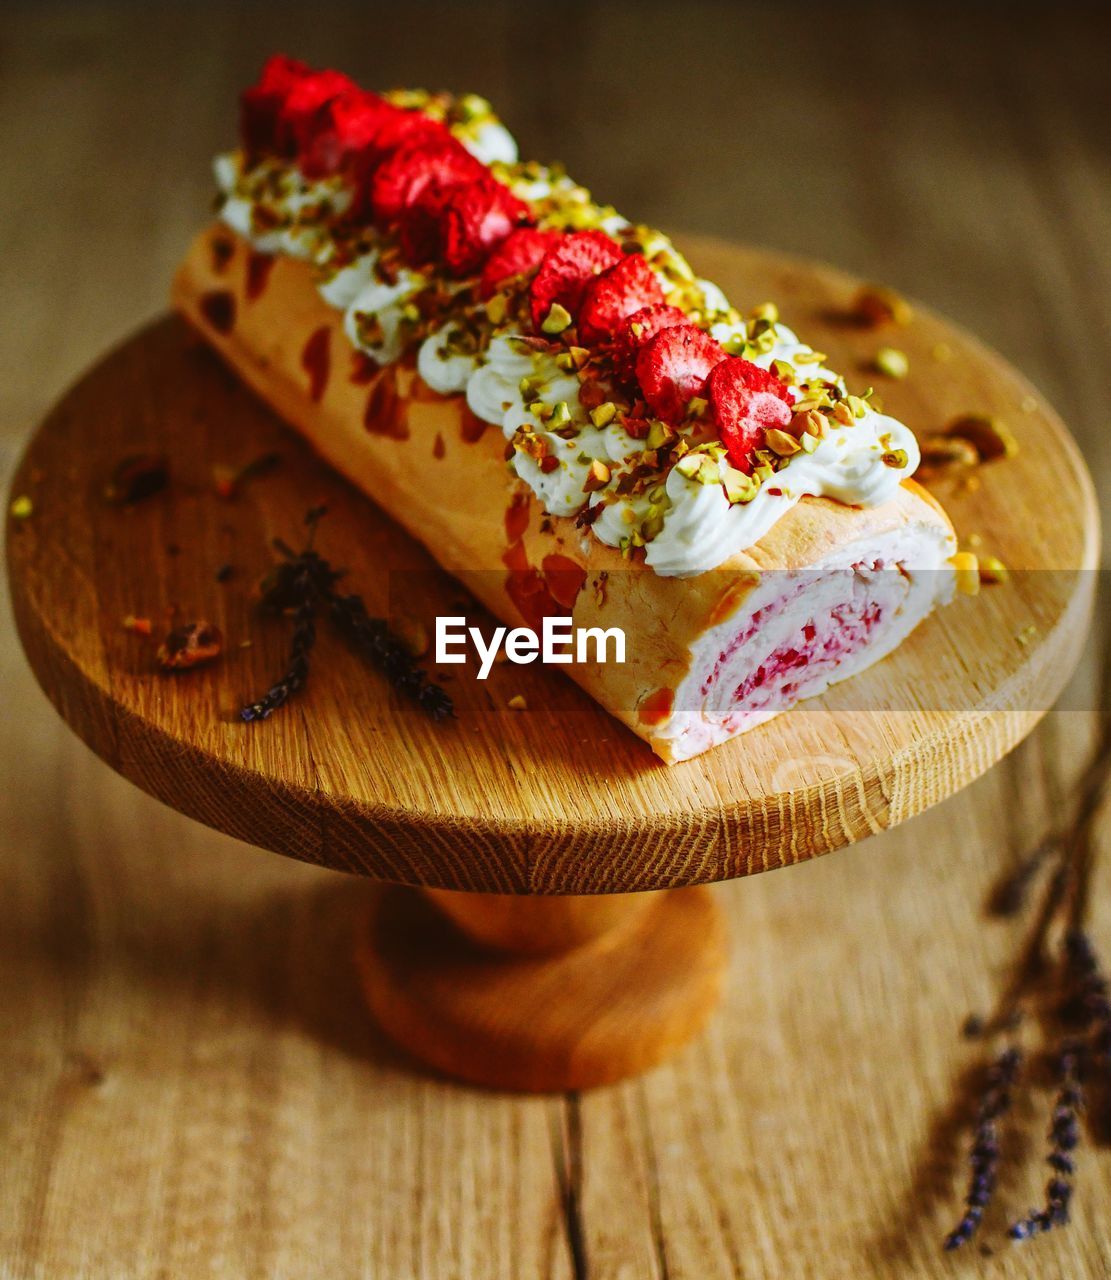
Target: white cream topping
{"type": "Point", "coordinates": [298, 207]}
{"type": "Point", "coordinates": [375, 320]}
{"type": "Point", "coordinates": [445, 370]}
{"type": "Point", "coordinates": [340, 288]}
{"type": "Point", "coordinates": [489, 141]}
{"type": "Point", "coordinates": [702, 529]}
{"type": "Point", "coordinates": [697, 528]}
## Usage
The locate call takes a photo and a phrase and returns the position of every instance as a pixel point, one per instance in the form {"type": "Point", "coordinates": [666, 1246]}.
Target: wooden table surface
{"type": "Point", "coordinates": [189, 1085]}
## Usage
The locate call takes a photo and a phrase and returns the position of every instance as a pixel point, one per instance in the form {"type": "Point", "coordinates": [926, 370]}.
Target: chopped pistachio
{"type": "Point", "coordinates": [659, 434]}
{"type": "Point", "coordinates": [896, 458]}
{"type": "Point", "coordinates": [809, 357]}
{"type": "Point", "coordinates": [564, 362]}
{"type": "Point", "coordinates": [765, 311]}
{"type": "Point", "coordinates": [560, 416]}
{"type": "Point", "coordinates": [1027, 634]}
{"type": "Point", "coordinates": [892, 362]}
{"type": "Point", "coordinates": [557, 319]}
{"type": "Point", "coordinates": [597, 477]}
{"type": "Point", "coordinates": [471, 106]}
{"type": "Point", "coordinates": [579, 356]}
{"type": "Point", "coordinates": [763, 472]}
{"type": "Point", "coordinates": [966, 568]}
{"type": "Point", "coordinates": [697, 406]}
{"type": "Point", "coordinates": [992, 569]}
{"type": "Point", "coordinates": [843, 413]}
{"type": "Point", "coordinates": [940, 452]}
{"type": "Point", "coordinates": [604, 414]}
{"type": "Point", "coordinates": [810, 422]}
{"type": "Point", "coordinates": [781, 442]}
{"type": "Point", "coordinates": [21, 507]}
{"type": "Point", "coordinates": [990, 436]}
{"type": "Point", "coordinates": [517, 703]}
{"type": "Point", "coordinates": [857, 405]}
{"type": "Point", "coordinates": [808, 442]}
{"type": "Point", "coordinates": [739, 487]}
{"type": "Point", "coordinates": [784, 371]}
{"type": "Point", "coordinates": [876, 304]}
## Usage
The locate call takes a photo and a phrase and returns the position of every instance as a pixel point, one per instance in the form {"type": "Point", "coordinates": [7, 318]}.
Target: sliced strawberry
{"type": "Point", "coordinates": [460, 224]}
{"type": "Point", "coordinates": [343, 127]}
{"type": "Point", "coordinates": [477, 218]}
{"type": "Point", "coordinates": [402, 129]}
{"type": "Point", "coordinates": [672, 368]}
{"type": "Point", "coordinates": [746, 400]}
{"type": "Point", "coordinates": [304, 100]}
{"type": "Point", "coordinates": [518, 255]}
{"type": "Point", "coordinates": [628, 286]}
{"type": "Point", "coordinates": [567, 269]}
{"type": "Point", "coordinates": [260, 105]}
{"type": "Point", "coordinates": [399, 182]}
{"type": "Point", "coordinates": [636, 331]}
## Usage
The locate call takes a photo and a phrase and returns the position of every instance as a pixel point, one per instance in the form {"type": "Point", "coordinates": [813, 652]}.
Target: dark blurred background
{"type": "Point", "coordinates": [959, 152]}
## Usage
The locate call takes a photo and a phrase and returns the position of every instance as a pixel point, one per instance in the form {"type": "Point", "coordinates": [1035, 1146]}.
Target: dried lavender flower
{"type": "Point", "coordinates": [374, 640]}
{"type": "Point", "coordinates": [984, 1156]}
{"type": "Point", "coordinates": [301, 583]}
{"type": "Point", "coordinates": [304, 636]}
{"type": "Point", "coordinates": [1064, 1134]}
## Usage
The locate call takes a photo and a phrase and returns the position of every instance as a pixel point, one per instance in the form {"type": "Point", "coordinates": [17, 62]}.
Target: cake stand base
{"type": "Point", "coordinates": [542, 994]}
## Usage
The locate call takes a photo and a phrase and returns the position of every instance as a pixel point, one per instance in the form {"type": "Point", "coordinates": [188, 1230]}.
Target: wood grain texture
{"type": "Point", "coordinates": [589, 1012]}
{"type": "Point", "coordinates": [189, 1083]}
{"type": "Point", "coordinates": [561, 798]}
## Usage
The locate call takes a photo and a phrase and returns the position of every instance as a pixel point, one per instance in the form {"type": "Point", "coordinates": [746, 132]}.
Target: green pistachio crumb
{"type": "Point", "coordinates": [604, 414]}
{"type": "Point", "coordinates": [557, 319]}
{"type": "Point", "coordinates": [892, 362]}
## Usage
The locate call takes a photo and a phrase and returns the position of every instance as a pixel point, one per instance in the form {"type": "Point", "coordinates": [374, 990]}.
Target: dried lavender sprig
{"type": "Point", "coordinates": [1064, 1134]}
{"type": "Point", "coordinates": [374, 640]}
{"type": "Point", "coordinates": [302, 587]}
{"type": "Point", "coordinates": [1011, 894]}
{"type": "Point", "coordinates": [984, 1156]}
{"type": "Point", "coordinates": [1093, 993]}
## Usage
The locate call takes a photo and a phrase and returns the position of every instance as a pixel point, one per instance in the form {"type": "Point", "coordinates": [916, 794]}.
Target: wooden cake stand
{"type": "Point", "coordinates": [585, 981]}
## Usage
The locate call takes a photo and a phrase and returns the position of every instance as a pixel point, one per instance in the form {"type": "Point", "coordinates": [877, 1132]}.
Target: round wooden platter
{"type": "Point", "coordinates": [558, 799]}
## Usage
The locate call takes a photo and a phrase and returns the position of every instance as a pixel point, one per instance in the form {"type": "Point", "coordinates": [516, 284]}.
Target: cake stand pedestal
{"type": "Point", "coordinates": [534, 953]}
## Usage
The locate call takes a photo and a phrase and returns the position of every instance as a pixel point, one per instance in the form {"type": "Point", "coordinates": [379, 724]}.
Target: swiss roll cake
{"type": "Point", "coordinates": [551, 400]}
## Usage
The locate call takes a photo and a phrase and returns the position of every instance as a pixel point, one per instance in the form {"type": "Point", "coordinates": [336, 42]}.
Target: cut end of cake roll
{"type": "Point", "coordinates": [791, 633]}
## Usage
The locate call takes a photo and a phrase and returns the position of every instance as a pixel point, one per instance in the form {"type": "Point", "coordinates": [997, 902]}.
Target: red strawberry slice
{"type": "Point", "coordinates": [398, 183]}
{"type": "Point", "coordinates": [518, 255]}
{"type": "Point", "coordinates": [567, 269]}
{"type": "Point", "coordinates": [636, 331]}
{"type": "Point", "coordinates": [303, 102]}
{"type": "Point", "coordinates": [399, 129]}
{"type": "Point", "coordinates": [476, 219]}
{"type": "Point", "coordinates": [629, 285]}
{"type": "Point", "coordinates": [343, 127]}
{"type": "Point", "coordinates": [746, 401]}
{"type": "Point", "coordinates": [260, 105]}
{"type": "Point", "coordinates": [460, 224]}
{"type": "Point", "coordinates": [673, 367]}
